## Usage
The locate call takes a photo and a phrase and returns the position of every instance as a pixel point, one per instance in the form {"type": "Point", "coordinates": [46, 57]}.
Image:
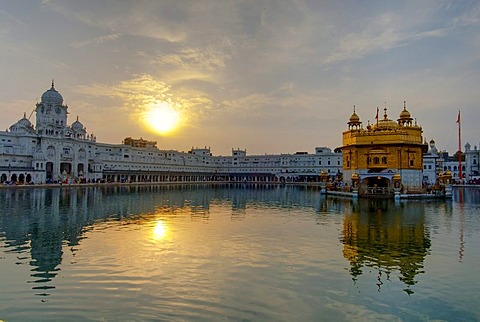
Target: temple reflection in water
{"type": "Point", "coordinates": [43, 221]}
{"type": "Point", "coordinates": [386, 236]}
{"type": "Point", "coordinates": [46, 222]}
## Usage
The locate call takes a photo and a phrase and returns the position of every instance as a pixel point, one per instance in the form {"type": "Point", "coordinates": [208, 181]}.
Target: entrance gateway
{"type": "Point", "coordinates": [376, 183]}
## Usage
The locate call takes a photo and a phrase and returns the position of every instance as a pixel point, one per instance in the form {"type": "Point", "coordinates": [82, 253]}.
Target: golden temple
{"type": "Point", "coordinates": [384, 156]}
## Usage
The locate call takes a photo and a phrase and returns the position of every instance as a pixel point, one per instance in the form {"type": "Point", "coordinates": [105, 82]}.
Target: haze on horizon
{"type": "Point", "coordinates": [267, 76]}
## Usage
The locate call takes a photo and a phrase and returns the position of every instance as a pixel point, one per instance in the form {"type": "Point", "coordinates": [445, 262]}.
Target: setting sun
{"type": "Point", "coordinates": [162, 118]}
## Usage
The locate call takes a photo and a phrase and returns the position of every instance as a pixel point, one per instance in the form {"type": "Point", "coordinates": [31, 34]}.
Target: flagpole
{"type": "Point", "coordinates": [460, 177]}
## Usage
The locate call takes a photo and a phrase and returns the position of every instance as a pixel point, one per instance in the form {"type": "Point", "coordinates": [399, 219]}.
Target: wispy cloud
{"type": "Point", "coordinates": [248, 103]}
{"type": "Point", "coordinates": [189, 64]}
{"type": "Point", "coordinates": [136, 19]}
{"type": "Point", "coordinates": [12, 19]}
{"type": "Point", "coordinates": [381, 35]}
{"type": "Point", "coordinates": [207, 59]}
{"type": "Point", "coordinates": [139, 93]}
{"type": "Point", "coordinates": [471, 18]}
{"type": "Point", "coordinates": [96, 41]}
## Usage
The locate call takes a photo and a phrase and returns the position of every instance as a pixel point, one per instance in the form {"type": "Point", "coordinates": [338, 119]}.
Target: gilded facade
{"type": "Point", "coordinates": [385, 155]}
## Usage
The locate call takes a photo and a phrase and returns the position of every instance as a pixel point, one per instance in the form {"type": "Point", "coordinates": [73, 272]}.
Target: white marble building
{"type": "Point", "coordinates": [53, 150]}
{"type": "Point", "coordinates": [436, 162]}
{"type": "Point", "coordinates": [430, 164]}
{"type": "Point", "coordinates": [472, 160]}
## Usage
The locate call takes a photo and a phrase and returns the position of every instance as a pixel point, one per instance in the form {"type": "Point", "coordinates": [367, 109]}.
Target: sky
{"type": "Point", "coordinates": [268, 76]}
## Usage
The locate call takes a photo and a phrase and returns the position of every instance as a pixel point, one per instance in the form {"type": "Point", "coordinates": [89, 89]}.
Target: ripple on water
{"type": "Point", "coordinates": [222, 254]}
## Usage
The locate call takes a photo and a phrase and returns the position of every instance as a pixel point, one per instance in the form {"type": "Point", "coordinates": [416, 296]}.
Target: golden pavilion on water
{"type": "Point", "coordinates": [385, 157]}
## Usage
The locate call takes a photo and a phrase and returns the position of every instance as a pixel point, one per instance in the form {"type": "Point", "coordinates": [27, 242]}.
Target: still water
{"type": "Point", "coordinates": [236, 253]}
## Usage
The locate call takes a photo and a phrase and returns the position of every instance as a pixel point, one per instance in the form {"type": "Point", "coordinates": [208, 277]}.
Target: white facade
{"type": "Point", "coordinates": [436, 162]}
{"type": "Point", "coordinates": [53, 151]}
{"type": "Point", "coordinates": [430, 165]}
{"type": "Point", "coordinates": [472, 160]}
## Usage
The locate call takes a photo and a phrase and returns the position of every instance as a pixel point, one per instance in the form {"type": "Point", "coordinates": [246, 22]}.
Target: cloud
{"type": "Point", "coordinates": [141, 18]}
{"type": "Point", "coordinates": [12, 20]}
{"type": "Point", "coordinates": [298, 64]}
{"type": "Point", "coordinates": [97, 40]}
{"type": "Point", "coordinates": [247, 103]}
{"type": "Point", "coordinates": [471, 18]}
{"type": "Point", "coordinates": [189, 64]}
{"type": "Point", "coordinates": [204, 58]}
{"type": "Point", "coordinates": [381, 35]}
{"type": "Point", "coordinates": [138, 94]}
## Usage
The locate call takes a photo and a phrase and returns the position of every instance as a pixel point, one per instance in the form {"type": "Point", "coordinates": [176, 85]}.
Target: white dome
{"type": "Point", "coordinates": [77, 126]}
{"type": "Point", "coordinates": [22, 126]}
{"type": "Point", "coordinates": [51, 96]}
{"type": "Point", "coordinates": [25, 122]}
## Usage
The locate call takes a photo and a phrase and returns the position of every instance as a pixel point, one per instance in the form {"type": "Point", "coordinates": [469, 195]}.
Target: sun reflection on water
{"type": "Point", "coordinates": [160, 230]}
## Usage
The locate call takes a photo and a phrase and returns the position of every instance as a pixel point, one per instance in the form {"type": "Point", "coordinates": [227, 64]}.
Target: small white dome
{"type": "Point", "coordinates": [77, 125]}
{"type": "Point", "coordinates": [25, 122]}
{"type": "Point", "coordinates": [22, 126]}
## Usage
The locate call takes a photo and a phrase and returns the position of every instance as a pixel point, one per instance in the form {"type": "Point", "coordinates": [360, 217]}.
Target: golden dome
{"type": "Point", "coordinates": [405, 114]}
{"type": "Point", "coordinates": [354, 118]}
{"type": "Point", "coordinates": [385, 123]}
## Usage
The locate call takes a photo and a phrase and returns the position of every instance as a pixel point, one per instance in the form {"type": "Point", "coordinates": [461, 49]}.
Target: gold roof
{"type": "Point", "coordinates": [354, 118]}
{"type": "Point", "coordinates": [385, 123]}
{"type": "Point", "coordinates": [405, 114]}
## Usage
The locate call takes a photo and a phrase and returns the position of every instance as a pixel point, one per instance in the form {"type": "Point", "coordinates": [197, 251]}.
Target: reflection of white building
{"type": "Point", "coordinates": [54, 150]}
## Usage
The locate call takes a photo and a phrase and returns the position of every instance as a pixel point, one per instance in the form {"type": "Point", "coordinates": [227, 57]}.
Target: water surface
{"type": "Point", "coordinates": [235, 253]}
